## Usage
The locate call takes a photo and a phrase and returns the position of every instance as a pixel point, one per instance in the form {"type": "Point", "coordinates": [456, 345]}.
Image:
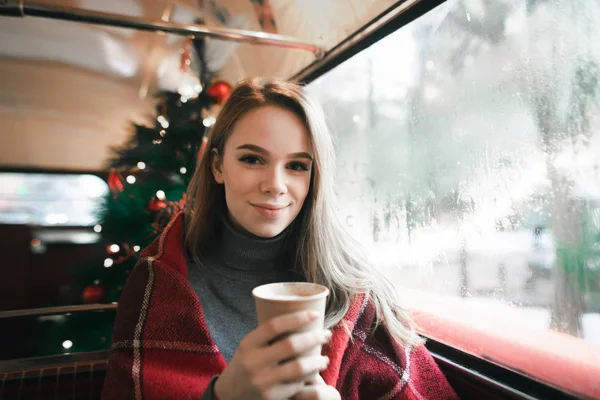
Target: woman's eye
{"type": "Point", "coordinates": [250, 160]}
{"type": "Point", "coordinates": [298, 166]}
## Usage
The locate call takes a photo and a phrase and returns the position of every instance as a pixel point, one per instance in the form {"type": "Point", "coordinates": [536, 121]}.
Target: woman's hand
{"type": "Point", "coordinates": [256, 371]}
{"type": "Point", "coordinates": [318, 391]}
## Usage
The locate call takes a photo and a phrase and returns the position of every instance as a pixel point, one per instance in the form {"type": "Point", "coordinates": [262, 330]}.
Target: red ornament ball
{"type": "Point", "coordinates": [115, 182]}
{"type": "Point", "coordinates": [219, 91]}
{"type": "Point", "coordinates": [155, 205]}
{"type": "Point", "coordinates": [93, 294]}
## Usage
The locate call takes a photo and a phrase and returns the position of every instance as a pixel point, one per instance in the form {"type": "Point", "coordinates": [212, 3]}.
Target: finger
{"type": "Point", "coordinates": [293, 346]}
{"type": "Point", "coordinates": [278, 326]}
{"type": "Point", "coordinates": [316, 380]}
{"type": "Point", "coordinates": [317, 392]}
{"type": "Point", "coordinates": [284, 391]}
{"type": "Point", "coordinates": [308, 379]}
{"type": "Point", "coordinates": [293, 370]}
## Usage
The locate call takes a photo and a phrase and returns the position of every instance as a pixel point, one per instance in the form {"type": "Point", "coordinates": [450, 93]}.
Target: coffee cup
{"type": "Point", "coordinates": [275, 299]}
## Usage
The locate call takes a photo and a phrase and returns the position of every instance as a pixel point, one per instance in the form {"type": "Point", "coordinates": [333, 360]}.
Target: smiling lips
{"type": "Point", "coordinates": [269, 210]}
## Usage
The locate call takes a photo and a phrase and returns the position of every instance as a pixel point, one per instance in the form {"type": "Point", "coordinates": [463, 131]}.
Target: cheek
{"type": "Point", "coordinates": [239, 181]}
{"type": "Point", "coordinates": [301, 189]}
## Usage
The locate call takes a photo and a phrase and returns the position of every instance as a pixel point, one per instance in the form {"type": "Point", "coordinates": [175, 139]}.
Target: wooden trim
{"type": "Point", "coordinates": [57, 310]}
{"type": "Point", "coordinates": [546, 358]}
{"type": "Point", "coordinates": [473, 377]}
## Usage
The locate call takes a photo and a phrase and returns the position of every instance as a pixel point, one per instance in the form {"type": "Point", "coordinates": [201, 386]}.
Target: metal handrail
{"type": "Point", "coordinates": [22, 8]}
{"type": "Point", "coordinates": [57, 310]}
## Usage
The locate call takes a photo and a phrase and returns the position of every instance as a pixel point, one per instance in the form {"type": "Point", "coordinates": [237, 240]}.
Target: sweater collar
{"type": "Point", "coordinates": [244, 251]}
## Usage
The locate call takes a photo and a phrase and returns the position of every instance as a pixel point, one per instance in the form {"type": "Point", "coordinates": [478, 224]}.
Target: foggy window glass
{"type": "Point", "coordinates": [469, 163]}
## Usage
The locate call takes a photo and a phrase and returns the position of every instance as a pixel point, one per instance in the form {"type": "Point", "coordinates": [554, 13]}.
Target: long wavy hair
{"type": "Point", "coordinates": [322, 248]}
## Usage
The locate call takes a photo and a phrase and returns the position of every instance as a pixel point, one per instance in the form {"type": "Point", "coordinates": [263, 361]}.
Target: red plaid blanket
{"type": "Point", "coordinates": [162, 348]}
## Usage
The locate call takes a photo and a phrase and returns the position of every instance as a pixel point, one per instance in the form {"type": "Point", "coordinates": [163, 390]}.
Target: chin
{"type": "Point", "coordinates": [267, 231]}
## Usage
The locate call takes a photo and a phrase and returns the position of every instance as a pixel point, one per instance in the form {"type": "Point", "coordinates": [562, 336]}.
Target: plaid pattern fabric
{"type": "Point", "coordinates": [162, 347]}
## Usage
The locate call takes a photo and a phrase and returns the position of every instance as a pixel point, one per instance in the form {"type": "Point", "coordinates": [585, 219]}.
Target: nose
{"type": "Point", "coordinates": [274, 181]}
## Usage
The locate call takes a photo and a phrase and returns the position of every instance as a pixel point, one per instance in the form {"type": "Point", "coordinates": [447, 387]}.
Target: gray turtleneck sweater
{"type": "Point", "coordinates": [224, 281]}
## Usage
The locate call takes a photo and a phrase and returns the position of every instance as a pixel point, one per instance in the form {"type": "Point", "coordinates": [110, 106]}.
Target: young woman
{"type": "Point", "coordinates": [260, 209]}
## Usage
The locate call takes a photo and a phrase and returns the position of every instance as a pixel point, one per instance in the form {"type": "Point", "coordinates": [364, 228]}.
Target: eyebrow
{"type": "Point", "coordinates": [260, 150]}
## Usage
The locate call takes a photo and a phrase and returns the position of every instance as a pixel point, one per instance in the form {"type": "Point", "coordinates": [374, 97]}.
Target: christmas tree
{"type": "Point", "coordinates": [149, 174]}
{"type": "Point", "coordinates": [148, 177]}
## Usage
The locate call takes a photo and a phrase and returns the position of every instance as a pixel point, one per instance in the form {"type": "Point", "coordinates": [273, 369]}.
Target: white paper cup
{"type": "Point", "coordinates": [275, 299]}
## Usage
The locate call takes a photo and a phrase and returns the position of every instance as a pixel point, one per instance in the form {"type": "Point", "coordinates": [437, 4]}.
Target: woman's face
{"type": "Point", "coordinates": [265, 168]}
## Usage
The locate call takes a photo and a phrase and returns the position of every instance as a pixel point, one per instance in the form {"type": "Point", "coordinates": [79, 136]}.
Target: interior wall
{"type": "Point", "coordinates": [57, 116]}
{"type": "Point", "coordinates": [62, 102]}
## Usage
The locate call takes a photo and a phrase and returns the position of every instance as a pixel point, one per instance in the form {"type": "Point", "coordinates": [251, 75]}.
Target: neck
{"type": "Point", "coordinates": [242, 252]}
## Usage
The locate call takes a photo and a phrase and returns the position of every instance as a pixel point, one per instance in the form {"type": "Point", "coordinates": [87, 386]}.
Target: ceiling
{"type": "Point", "coordinates": [69, 90]}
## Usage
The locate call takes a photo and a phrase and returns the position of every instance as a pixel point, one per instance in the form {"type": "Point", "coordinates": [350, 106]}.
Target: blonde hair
{"type": "Point", "coordinates": [325, 252]}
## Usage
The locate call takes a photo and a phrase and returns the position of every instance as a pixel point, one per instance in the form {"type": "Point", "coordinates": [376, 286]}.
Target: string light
{"type": "Point", "coordinates": [114, 248]}
{"type": "Point", "coordinates": [108, 263]}
{"type": "Point", "coordinates": [136, 248]}
{"type": "Point", "coordinates": [163, 121]}
{"type": "Point", "coordinates": [141, 165]}
{"type": "Point", "coordinates": [183, 170]}
{"type": "Point", "coordinates": [67, 344]}
{"type": "Point", "coordinates": [209, 121]}
{"type": "Point", "coordinates": [98, 228]}
{"type": "Point", "coordinates": [160, 195]}
{"type": "Point", "coordinates": [162, 133]}
{"type": "Point", "coordinates": [130, 179]}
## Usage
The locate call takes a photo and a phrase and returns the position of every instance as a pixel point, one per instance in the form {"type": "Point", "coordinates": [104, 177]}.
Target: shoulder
{"type": "Point", "coordinates": [168, 249]}
{"type": "Point", "coordinates": [376, 365]}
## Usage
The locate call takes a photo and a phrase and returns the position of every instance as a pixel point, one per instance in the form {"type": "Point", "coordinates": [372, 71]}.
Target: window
{"type": "Point", "coordinates": [49, 247]}
{"type": "Point", "coordinates": [468, 146]}
{"type": "Point", "coordinates": [50, 199]}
